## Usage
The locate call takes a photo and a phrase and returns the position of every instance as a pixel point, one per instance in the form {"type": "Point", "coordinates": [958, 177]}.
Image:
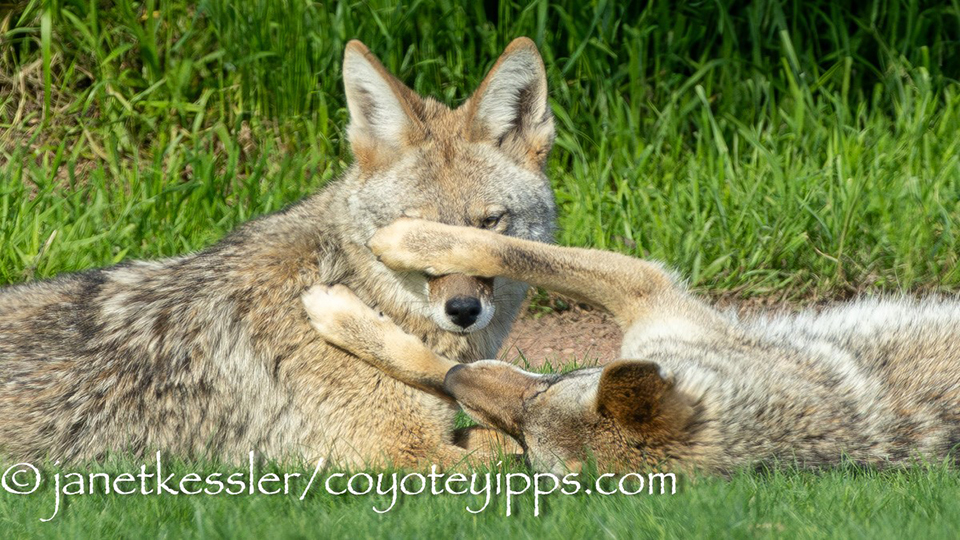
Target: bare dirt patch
{"type": "Point", "coordinates": [589, 336]}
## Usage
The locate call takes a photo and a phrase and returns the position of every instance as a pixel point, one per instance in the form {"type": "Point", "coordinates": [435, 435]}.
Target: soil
{"type": "Point", "coordinates": [589, 336]}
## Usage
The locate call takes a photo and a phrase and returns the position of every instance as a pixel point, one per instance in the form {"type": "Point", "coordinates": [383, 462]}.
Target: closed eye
{"type": "Point", "coordinates": [545, 383]}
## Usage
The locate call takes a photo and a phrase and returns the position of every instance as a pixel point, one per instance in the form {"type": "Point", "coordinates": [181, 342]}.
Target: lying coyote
{"type": "Point", "coordinates": [211, 355]}
{"type": "Point", "coordinates": [875, 381]}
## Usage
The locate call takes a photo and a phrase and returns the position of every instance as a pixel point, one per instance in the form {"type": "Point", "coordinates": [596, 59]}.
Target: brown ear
{"type": "Point", "coordinates": [510, 107]}
{"type": "Point", "coordinates": [631, 392]}
{"type": "Point", "coordinates": [384, 114]}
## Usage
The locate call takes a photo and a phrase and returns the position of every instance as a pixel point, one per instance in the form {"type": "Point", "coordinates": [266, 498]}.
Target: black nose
{"type": "Point", "coordinates": [463, 310]}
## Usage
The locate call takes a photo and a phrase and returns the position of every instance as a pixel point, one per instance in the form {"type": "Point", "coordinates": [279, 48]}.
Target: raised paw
{"type": "Point", "coordinates": [426, 246]}
{"type": "Point", "coordinates": [337, 313]}
{"type": "Point", "coordinates": [396, 245]}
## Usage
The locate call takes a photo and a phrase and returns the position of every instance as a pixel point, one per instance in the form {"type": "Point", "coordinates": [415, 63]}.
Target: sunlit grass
{"type": "Point", "coordinates": [779, 148]}
{"type": "Point", "coordinates": [914, 502]}
{"type": "Point", "coordinates": [795, 149]}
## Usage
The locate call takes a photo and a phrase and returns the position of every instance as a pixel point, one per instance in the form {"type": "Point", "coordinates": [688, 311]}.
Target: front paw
{"type": "Point", "coordinates": [336, 312]}
{"type": "Point", "coordinates": [404, 245]}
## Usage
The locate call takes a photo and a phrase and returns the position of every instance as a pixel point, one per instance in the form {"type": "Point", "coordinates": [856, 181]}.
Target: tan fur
{"type": "Point", "coordinates": [875, 381]}
{"type": "Point", "coordinates": [211, 354]}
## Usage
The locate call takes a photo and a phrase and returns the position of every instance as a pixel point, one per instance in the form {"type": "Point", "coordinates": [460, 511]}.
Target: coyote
{"type": "Point", "coordinates": [211, 354]}
{"type": "Point", "coordinates": [875, 381]}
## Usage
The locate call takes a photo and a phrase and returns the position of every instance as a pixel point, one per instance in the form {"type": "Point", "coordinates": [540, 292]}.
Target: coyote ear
{"type": "Point", "coordinates": [510, 107]}
{"type": "Point", "coordinates": [384, 113]}
{"type": "Point", "coordinates": [632, 392]}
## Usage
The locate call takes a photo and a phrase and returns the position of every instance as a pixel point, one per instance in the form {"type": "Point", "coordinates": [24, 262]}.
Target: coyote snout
{"type": "Point", "coordinates": [461, 303]}
{"type": "Point", "coordinates": [494, 392]}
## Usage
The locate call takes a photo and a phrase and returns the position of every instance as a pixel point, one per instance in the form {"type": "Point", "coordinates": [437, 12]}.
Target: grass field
{"type": "Point", "coordinates": [788, 149]}
{"type": "Point", "coordinates": [796, 149]}
{"type": "Point", "coordinates": [844, 503]}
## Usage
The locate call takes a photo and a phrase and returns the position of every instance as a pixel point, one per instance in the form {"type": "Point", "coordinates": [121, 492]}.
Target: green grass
{"type": "Point", "coordinates": [785, 148]}
{"type": "Point", "coordinates": [919, 502]}
{"type": "Point", "coordinates": [788, 148]}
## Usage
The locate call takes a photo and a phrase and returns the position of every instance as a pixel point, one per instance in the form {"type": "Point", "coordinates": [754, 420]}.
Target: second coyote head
{"type": "Point", "coordinates": [479, 165]}
{"type": "Point", "coordinates": [624, 414]}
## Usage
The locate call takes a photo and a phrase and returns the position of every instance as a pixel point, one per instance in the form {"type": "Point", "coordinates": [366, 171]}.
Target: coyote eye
{"type": "Point", "coordinates": [491, 221]}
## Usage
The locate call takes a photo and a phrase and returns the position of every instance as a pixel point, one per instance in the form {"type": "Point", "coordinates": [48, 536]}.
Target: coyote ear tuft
{"type": "Point", "coordinates": [384, 113]}
{"type": "Point", "coordinates": [510, 107]}
{"type": "Point", "coordinates": [632, 392]}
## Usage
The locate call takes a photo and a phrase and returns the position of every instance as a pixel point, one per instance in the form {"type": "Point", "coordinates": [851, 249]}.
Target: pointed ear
{"type": "Point", "coordinates": [510, 108]}
{"type": "Point", "coordinates": [632, 392]}
{"type": "Point", "coordinates": [385, 115]}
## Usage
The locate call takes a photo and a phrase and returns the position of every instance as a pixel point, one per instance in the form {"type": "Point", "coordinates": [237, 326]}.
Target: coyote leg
{"type": "Point", "coordinates": [345, 321]}
{"type": "Point", "coordinates": [485, 441]}
{"type": "Point", "coordinates": [454, 456]}
{"type": "Point", "coordinates": [627, 287]}
{"type": "Point", "coordinates": [477, 445]}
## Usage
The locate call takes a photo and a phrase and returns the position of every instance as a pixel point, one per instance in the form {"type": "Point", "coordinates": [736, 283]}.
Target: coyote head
{"type": "Point", "coordinates": [625, 415]}
{"type": "Point", "coordinates": [479, 165]}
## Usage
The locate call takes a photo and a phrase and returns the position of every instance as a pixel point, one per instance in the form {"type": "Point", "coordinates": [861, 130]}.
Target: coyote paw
{"type": "Point", "coordinates": [337, 313]}
{"type": "Point", "coordinates": [436, 249]}
{"type": "Point", "coordinates": [398, 246]}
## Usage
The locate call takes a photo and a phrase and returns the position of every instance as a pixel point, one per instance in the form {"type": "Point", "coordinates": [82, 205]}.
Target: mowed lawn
{"type": "Point", "coordinates": [918, 503]}
{"type": "Point", "coordinates": [776, 150]}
